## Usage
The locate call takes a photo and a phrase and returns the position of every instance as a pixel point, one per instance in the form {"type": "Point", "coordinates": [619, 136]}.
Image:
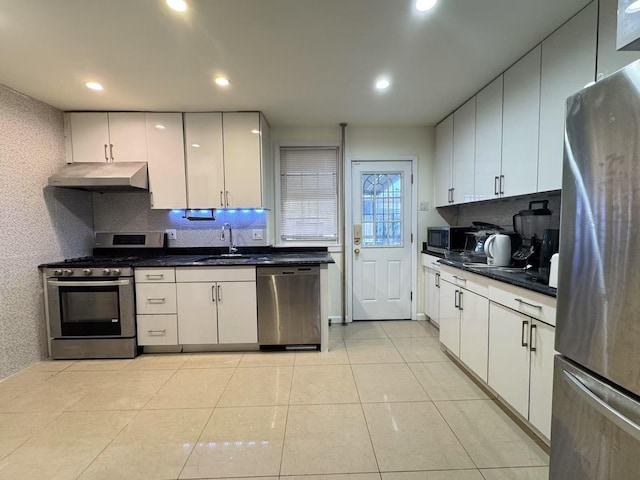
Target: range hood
{"type": "Point", "coordinates": [102, 177]}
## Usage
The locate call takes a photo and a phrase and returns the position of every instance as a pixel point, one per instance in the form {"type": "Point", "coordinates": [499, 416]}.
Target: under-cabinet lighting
{"type": "Point", "coordinates": [424, 5]}
{"type": "Point", "coordinates": [633, 7]}
{"type": "Point", "coordinates": [177, 5]}
{"type": "Point", "coordinates": [94, 86]}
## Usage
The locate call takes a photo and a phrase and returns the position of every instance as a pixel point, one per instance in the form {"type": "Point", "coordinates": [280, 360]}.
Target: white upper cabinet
{"type": "Point", "coordinates": [489, 140]}
{"type": "Point", "coordinates": [243, 159]}
{"type": "Point", "coordinates": [464, 155]}
{"type": "Point", "coordinates": [444, 161]}
{"type": "Point", "coordinates": [609, 59]}
{"type": "Point", "coordinates": [521, 118]}
{"type": "Point", "coordinates": [105, 137]}
{"type": "Point", "coordinates": [165, 152]}
{"type": "Point", "coordinates": [205, 160]}
{"type": "Point", "coordinates": [568, 64]}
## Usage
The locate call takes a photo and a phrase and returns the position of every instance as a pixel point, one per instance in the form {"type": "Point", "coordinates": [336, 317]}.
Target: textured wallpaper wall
{"type": "Point", "coordinates": [130, 212]}
{"type": "Point", "coordinates": [39, 223]}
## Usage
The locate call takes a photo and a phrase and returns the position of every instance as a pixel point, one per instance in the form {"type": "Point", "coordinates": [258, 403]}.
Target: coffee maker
{"type": "Point", "coordinates": [531, 224]}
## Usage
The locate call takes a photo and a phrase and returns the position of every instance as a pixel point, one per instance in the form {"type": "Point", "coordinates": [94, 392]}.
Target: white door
{"type": "Point", "coordinates": [127, 137]}
{"type": "Point", "coordinates": [237, 312]}
{"type": "Point", "coordinates": [381, 193]}
{"type": "Point", "coordinates": [89, 136]}
{"type": "Point", "coordinates": [197, 313]}
{"type": "Point", "coordinates": [474, 332]}
{"type": "Point", "coordinates": [509, 356]}
{"type": "Point", "coordinates": [541, 386]}
{"type": "Point", "coordinates": [464, 155]}
{"type": "Point", "coordinates": [444, 161]}
{"type": "Point", "coordinates": [488, 140]}
{"type": "Point", "coordinates": [449, 317]}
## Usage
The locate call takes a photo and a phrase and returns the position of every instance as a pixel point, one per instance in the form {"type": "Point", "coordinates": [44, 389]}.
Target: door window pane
{"type": "Point", "coordinates": [381, 209]}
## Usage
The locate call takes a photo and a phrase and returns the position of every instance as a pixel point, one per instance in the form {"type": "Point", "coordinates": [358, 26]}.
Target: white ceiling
{"type": "Point", "coordinates": [301, 62]}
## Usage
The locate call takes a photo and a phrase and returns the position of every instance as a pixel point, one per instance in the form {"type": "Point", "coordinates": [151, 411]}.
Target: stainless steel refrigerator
{"type": "Point", "coordinates": [595, 430]}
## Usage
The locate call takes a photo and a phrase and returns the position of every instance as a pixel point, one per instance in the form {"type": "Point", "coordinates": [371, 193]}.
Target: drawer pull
{"type": "Point", "coordinates": [436, 265]}
{"type": "Point", "coordinates": [157, 333]}
{"type": "Point", "coordinates": [519, 300]}
{"type": "Point", "coordinates": [155, 276]}
{"type": "Point", "coordinates": [460, 278]}
{"type": "Point", "coordinates": [156, 300]}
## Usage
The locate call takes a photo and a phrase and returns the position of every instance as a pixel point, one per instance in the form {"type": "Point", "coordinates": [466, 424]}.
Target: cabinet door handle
{"type": "Point", "coordinates": [460, 300]}
{"type": "Point", "coordinates": [495, 185]}
{"type": "Point", "coordinates": [219, 293]}
{"type": "Point", "coordinates": [111, 151]}
{"type": "Point", "coordinates": [156, 300]}
{"type": "Point", "coordinates": [106, 157]}
{"type": "Point", "coordinates": [456, 299]}
{"type": "Point", "coordinates": [154, 276]}
{"type": "Point", "coordinates": [502, 182]}
{"type": "Point", "coordinates": [532, 336]}
{"type": "Point", "coordinates": [226, 198]}
{"type": "Point", "coordinates": [523, 341]}
{"type": "Point", "coordinates": [221, 200]}
{"type": "Point", "coordinates": [437, 280]}
{"type": "Point", "coordinates": [213, 293]}
{"type": "Point", "coordinates": [157, 333]}
{"type": "Point", "coordinates": [452, 190]}
{"type": "Point", "coordinates": [519, 300]}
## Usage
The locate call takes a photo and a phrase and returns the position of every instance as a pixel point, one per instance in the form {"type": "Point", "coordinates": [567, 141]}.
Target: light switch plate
{"type": "Point", "coordinates": [172, 233]}
{"type": "Point", "coordinates": [258, 234]}
{"type": "Point", "coordinates": [424, 206]}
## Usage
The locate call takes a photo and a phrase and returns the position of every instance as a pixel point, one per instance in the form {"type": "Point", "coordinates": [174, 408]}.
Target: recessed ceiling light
{"type": "Point", "coordinates": [94, 86]}
{"type": "Point", "coordinates": [222, 81]}
{"type": "Point", "coordinates": [383, 84]}
{"type": "Point", "coordinates": [177, 5]}
{"type": "Point", "coordinates": [633, 7]}
{"type": "Point", "coordinates": [257, 132]}
{"type": "Point", "coordinates": [159, 126]}
{"type": "Point", "coordinates": [195, 145]}
{"type": "Point", "coordinates": [424, 5]}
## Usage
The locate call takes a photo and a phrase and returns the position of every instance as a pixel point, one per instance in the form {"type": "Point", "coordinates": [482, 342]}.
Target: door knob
{"type": "Point", "coordinates": [356, 251]}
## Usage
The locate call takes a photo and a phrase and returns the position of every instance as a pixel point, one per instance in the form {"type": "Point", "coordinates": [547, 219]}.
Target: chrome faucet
{"type": "Point", "coordinates": [232, 247]}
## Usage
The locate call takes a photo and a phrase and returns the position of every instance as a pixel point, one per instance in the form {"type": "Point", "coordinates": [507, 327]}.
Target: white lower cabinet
{"type": "Point", "coordinates": [474, 331]}
{"type": "Point", "coordinates": [432, 295]}
{"type": "Point", "coordinates": [217, 305]}
{"type": "Point", "coordinates": [521, 351]}
{"type": "Point", "coordinates": [157, 322]}
{"type": "Point", "coordinates": [157, 330]}
{"type": "Point", "coordinates": [449, 317]}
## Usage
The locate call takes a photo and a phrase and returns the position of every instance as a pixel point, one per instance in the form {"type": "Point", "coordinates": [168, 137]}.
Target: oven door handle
{"type": "Point", "coordinates": [107, 283]}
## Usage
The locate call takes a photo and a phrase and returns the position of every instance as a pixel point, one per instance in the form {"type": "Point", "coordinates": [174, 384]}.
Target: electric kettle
{"type": "Point", "coordinates": [498, 250]}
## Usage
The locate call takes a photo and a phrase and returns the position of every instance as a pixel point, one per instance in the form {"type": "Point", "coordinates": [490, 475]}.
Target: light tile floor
{"type": "Point", "coordinates": [384, 404]}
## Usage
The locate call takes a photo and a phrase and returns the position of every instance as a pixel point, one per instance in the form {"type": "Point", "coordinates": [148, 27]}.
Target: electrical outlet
{"type": "Point", "coordinates": [424, 206]}
{"type": "Point", "coordinates": [258, 234]}
{"type": "Point", "coordinates": [172, 234]}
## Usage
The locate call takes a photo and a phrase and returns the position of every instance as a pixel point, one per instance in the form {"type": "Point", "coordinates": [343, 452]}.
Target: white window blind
{"type": "Point", "coordinates": [309, 194]}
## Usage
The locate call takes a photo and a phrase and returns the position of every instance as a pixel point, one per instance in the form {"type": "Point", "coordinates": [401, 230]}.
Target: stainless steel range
{"type": "Point", "coordinates": [91, 300]}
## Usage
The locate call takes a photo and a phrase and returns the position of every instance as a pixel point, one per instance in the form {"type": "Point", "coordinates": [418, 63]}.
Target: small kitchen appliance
{"type": "Point", "coordinates": [550, 245]}
{"type": "Point", "coordinates": [441, 239]}
{"type": "Point", "coordinates": [530, 224]}
{"type": "Point", "coordinates": [498, 250]}
{"type": "Point", "coordinates": [476, 239]}
{"type": "Point", "coordinates": [91, 300]}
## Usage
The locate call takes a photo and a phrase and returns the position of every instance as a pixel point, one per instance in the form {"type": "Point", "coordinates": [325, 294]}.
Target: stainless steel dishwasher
{"type": "Point", "coordinates": [289, 306]}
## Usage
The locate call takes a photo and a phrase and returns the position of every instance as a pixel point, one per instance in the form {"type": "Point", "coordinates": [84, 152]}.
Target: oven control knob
{"type": "Point", "coordinates": [87, 271]}
{"type": "Point", "coordinates": [106, 271]}
{"type": "Point", "coordinates": [57, 273]}
{"type": "Point", "coordinates": [115, 271]}
{"type": "Point", "coordinates": [67, 272]}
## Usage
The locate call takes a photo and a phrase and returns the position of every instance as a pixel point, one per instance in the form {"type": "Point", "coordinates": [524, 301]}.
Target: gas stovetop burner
{"type": "Point", "coordinates": [103, 260]}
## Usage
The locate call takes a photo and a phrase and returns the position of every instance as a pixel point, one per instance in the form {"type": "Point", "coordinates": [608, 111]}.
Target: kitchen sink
{"type": "Point", "coordinates": [223, 256]}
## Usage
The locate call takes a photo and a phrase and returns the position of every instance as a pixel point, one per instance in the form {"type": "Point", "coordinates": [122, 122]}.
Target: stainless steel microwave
{"type": "Point", "coordinates": [440, 239]}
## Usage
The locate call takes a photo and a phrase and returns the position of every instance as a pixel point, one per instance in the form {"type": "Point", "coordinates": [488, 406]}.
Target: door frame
{"type": "Point", "coordinates": [348, 240]}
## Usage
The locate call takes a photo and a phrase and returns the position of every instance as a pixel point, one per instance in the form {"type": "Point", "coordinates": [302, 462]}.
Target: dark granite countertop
{"type": "Point", "coordinates": [519, 279]}
{"type": "Point", "coordinates": [207, 260]}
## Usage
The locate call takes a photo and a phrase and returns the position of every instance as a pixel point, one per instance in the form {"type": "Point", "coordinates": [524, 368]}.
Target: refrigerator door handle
{"type": "Point", "coordinates": [602, 407]}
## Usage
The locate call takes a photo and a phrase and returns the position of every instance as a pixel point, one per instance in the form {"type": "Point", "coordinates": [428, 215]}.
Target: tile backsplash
{"type": "Point", "coordinates": [501, 211]}
{"type": "Point", "coordinates": [130, 212]}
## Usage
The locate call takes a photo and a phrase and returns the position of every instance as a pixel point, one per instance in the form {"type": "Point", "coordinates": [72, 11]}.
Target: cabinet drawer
{"type": "Point", "coordinates": [155, 275]}
{"type": "Point", "coordinates": [155, 298]}
{"type": "Point", "coordinates": [529, 303]}
{"type": "Point", "coordinates": [470, 281]}
{"type": "Point", "coordinates": [430, 261]}
{"type": "Point", "coordinates": [216, 274]}
{"type": "Point", "coordinates": [157, 329]}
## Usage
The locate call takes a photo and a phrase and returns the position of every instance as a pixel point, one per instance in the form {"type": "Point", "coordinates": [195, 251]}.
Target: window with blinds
{"type": "Point", "coordinates": [308, 194]}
